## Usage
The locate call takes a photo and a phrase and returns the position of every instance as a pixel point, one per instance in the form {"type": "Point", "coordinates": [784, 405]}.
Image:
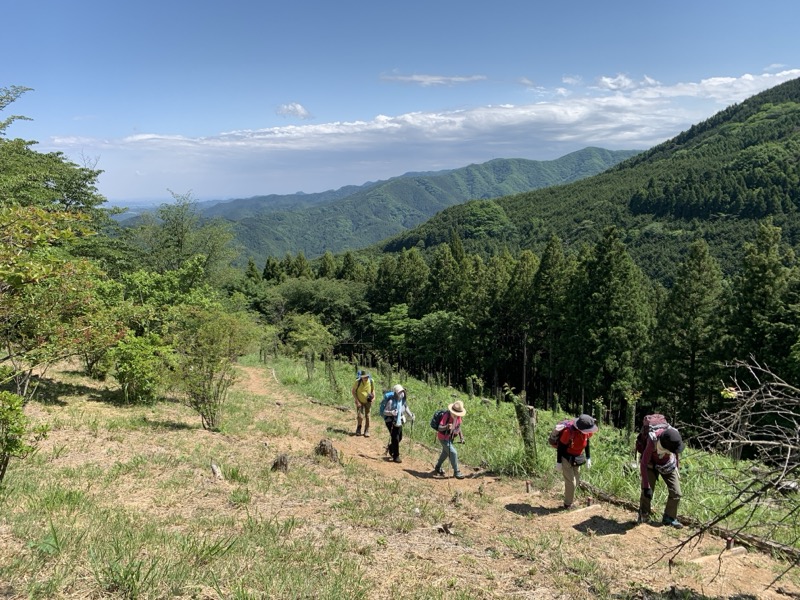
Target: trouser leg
{"type": "Point", "coordinates": [442, 455]}
{"type": "Point", "coordinates": [396, 435]}
{"type": "Point", "coordinates": [448, 453]}
{"type": "Point", "coordinates": [645, 503]}
{"type": "Point", "coordinates": [673, 482]}
{"type": "Point", "coordinates": [571, 480]}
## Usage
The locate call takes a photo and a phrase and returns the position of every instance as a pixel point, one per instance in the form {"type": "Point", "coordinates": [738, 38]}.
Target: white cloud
{"type": "Point", "coordinates": [432, 80]}
{"type": "Point", "coordinates": [618, 114]}
{"type": "Point", "coordinates": [293, 109]}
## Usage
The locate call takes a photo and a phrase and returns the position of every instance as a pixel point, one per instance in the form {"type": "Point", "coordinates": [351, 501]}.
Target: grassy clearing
{"type": "Point", "coordinates": [493, 442]}
{"type": "Point", "coordinates": [120, 502]}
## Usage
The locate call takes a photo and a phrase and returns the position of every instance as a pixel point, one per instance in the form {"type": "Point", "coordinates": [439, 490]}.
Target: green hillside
{"type": "Point", "coordinates": [713, 181]}
{"type": "Point", "coordinates": [316, 223]}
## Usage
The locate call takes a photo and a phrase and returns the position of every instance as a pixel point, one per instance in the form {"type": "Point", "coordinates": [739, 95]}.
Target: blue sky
{"type": "Point", "coordinates": [242, 98]}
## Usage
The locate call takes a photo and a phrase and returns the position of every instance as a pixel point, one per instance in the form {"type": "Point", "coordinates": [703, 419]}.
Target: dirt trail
{"type": "Point", "coordinates": [630, 556]}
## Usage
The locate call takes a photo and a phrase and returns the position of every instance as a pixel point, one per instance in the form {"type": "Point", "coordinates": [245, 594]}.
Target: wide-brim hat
{"type": "Point", "coordinates": [398, 388]}
{"type": "Point", "coordinates": [457, 408]}
{"type": "Point", "coordinates": [586, 424]}
{"type": "Point", "coordinates": [364, 375]}
{"type": "Point", "coordinates": [671, 440]}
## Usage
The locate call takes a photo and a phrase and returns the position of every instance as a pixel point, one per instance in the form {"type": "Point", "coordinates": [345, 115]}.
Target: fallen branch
{"type": "Point", "coordinates": [746, 539]}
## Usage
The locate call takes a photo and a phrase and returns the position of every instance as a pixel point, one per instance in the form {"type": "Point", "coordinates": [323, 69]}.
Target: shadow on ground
{"type": "Point", "coordinates": [598, 525]}
{"type": "Point", "coordinates": [676, 593]}
{"type": "Point", "coordinates": [525, 510]}
{"type": "Point", "coordinates": [52, 392]}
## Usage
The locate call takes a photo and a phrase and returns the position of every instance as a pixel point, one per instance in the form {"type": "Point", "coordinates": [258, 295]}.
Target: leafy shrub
{"type": "Point", "coordinates": [139, 366]}
{"type": "Point", "coordinates": [208, 344]}
{"type": "Point", "coordinates": [17, 438]}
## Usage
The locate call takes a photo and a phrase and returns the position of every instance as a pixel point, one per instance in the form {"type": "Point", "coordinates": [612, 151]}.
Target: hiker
{"type": "Point", "coordinates": [661, 457]}
{"type": "Point", "coordinates": [450, 427]}
{"type": "Point", "coordinates": [394, 415]}
{"type": "Point", "coordinates": [363, 394]}
{"type": "Point", "coordinates": [572, 451]}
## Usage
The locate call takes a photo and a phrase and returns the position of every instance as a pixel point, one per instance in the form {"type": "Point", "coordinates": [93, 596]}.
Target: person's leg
{"type": "Point", "coordinates": [390, 427]}
{"type": "Point", "coordinates": [645, 503]}
{"type": "Point", "coordinates": [399, 434]}
{"type": "Point", "coordinates": [569, 481]}
{"type": "Point", "coordinates": [367, 409]}
{"type": "Point", "coordinates": [453, 455]}
{"type": "Point", "coordinates": [442, 457]}
{"type": "Point", "coordinates": [359, 417]}
{"type": "Point", "coordinates": [673, 483]}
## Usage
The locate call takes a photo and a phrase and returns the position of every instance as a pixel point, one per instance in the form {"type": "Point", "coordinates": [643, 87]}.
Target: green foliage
{"type": "Point", "coordinates": [140, 364]}
{"type": "Point", "coordinates": [208, 343]}
{"type": "Point", "coordinates": [17, 438]}
{"type": "Point", "coordinates": [305, 334]}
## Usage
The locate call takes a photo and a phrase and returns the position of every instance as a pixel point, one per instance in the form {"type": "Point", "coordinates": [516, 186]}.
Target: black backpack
{"type": "Point", "coordinates": [436, 419]}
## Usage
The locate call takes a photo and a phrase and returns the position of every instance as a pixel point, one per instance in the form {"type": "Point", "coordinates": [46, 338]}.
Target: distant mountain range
{"type": "Point", "coordinates": [715, 181]}
{"type": "Point", "coordinates": [355, 217]}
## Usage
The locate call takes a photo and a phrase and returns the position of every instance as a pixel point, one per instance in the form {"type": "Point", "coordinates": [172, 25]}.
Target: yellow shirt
{"type": "Point", "coordinates": [362, 389]}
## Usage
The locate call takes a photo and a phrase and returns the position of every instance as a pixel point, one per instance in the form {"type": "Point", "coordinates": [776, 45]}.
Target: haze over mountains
{"type": "Point", "coordinates": [355, 217]}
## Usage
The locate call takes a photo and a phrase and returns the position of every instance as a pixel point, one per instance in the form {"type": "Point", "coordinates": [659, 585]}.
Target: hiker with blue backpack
{"type": "Point", "coordinates": [447, 428]}
{"type": "Point", "coordinates": [363, 394]}
{"type": "Point", "coordinates": [394, 410]}
{"type": "Point", "coordinates": [571, 440]}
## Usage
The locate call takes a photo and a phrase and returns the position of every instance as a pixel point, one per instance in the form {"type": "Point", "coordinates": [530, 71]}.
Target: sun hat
{"type": "Point", "coordinates": [457, 408]}
{"type": "Point", "coordinates": [671, 440]}
{"type": "Point", "coordinates": [398, 388]}
{"type": "Point", "coordinates": [586, 424]}
{"type": "Point", "coordinates": [364, 374]}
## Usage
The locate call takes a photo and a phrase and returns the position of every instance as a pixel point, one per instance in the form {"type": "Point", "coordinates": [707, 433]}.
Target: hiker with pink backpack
{"type": "Point", "coordinates": [660, 446]}
{"type": "Point", "coordinates": [570, 438]}
{"type": "Point", "coordinates": [448, 426]}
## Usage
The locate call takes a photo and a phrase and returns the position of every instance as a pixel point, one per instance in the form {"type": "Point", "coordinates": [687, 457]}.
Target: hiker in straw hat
{"type": "Point", "coordinates": [449, 428]}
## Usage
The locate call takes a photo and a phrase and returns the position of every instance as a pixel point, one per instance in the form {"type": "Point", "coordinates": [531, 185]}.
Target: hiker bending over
{"type": "Point", "coordinates": [363, 394]}
{"type": "Point", "coordinates": [661, 457]}
{"type": "Point", "coordinates": [394, 415]}
{"type": "Point", "coordinates": [572, 444]}
{"type": "Point", "coordinates": [449, 428]}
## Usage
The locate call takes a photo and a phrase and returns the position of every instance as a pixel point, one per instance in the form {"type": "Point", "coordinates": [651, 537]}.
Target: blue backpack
{"type": "Point", "coordinates": [386, 397]}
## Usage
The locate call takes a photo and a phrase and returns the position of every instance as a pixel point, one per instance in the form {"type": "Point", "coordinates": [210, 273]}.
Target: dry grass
{"type": "Point", "coordinates": [121, 501]}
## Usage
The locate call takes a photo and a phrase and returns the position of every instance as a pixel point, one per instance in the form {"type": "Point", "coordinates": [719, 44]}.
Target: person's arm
{"type": "Point", "coordinates": [647, 455]}
{"type": "Point", "coordinates": [444, 423]}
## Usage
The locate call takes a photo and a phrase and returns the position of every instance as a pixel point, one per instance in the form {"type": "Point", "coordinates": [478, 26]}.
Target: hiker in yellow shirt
{"type": "Point", "coordinates": [363, 394]}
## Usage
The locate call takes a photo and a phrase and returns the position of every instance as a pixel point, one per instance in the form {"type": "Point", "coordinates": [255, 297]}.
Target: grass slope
{"type": "Point", "coordinates": [120, 501]}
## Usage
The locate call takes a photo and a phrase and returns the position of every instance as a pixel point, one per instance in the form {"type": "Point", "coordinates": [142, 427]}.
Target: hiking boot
{"type": "Point", "coordinates": [358, 430]}
{"type": "Point", "coordinates": [439, 472]}
{"type": "Point", "coordinates": [567, 506]}
{"type": "Point", "coordinates": [458, 475]}
{"type": "Point", "coordinates": [670, 522]}
{"type": "Point", "coordinates": [397, 459]}
{"type": "Point", "coordinates": [366, 433]}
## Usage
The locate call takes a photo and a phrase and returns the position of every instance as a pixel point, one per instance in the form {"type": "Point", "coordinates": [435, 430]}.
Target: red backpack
{"type": "Point", "coordinates": [656, 424]}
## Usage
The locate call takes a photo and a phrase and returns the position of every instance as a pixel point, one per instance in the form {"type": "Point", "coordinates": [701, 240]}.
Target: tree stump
{"type": "Point", "coordinates": [281, 463]}
{"type": "Point", "coordinates": [325, 448]}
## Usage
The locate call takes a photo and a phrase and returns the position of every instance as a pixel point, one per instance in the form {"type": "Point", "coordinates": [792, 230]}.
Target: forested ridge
{"type": "Point", "coordinates": [714, 181]}
{"type": "Point", "coordinates": [358, 216]}
{"type": "Point", "coordinates": [629, 290]}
